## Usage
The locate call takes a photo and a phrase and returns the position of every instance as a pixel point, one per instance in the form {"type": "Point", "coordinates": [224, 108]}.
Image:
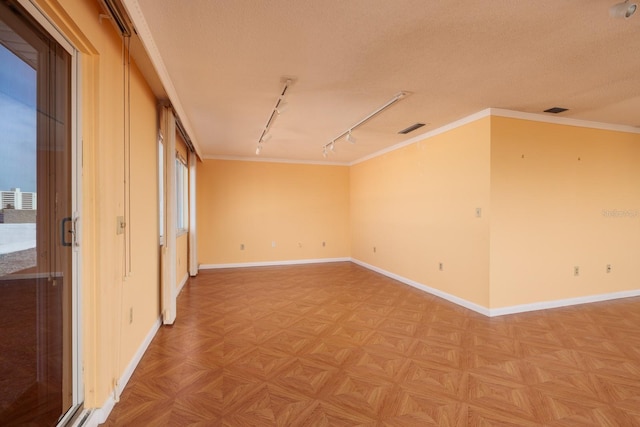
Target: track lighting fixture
{"type": "Point", "coordinates": [266, 137]}
{"type": "Point", "coordinates": [282, 107]}
{"type": "Point", "coordinates": [350, 138]}
{"type": "Point", "coordinates": [623, 10]}
{"type": "Point", "coordinates": [279, 108]}
{"type": "Point", "coordinates": [348, 133]}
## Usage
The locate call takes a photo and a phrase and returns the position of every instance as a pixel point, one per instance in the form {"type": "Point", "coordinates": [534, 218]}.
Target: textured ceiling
{"type": "Point", "coordinates": [226, 59]}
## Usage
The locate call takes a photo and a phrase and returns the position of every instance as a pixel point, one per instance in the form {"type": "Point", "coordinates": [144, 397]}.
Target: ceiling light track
{"type": "Point", "coordinates": [348, 134]}
{"type": "Point", "coordinates": [281, 106]}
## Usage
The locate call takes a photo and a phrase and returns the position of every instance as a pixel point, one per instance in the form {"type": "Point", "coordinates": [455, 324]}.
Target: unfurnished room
{"type": "Point", "coordinates": [319, 213]}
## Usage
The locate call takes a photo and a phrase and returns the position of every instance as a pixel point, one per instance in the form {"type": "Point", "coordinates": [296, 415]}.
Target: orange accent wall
{"type": "Point", "coordinates": [278, 211]}
{"type": "Point", "coordinates": [562, 197]}
{"type": "Point", "coordinates": [553, 197]}
{"type": "Point", "coordinates": [417, 207]}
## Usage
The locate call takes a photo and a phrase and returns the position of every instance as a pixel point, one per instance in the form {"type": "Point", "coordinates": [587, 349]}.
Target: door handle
{"type": "Point", "coordinates": [63, 241]}
{"type": "Point", "coordinates": [74, 230]}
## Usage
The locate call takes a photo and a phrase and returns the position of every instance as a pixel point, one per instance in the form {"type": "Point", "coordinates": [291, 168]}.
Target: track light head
{"type": "Point", "coordinates": [258, 149]}
{"type": "Point", "coordinates": [350, 138]}
{"type": "Point", "coordinates": [332, 146]}
{"type": "Point", "coordinates": [265, 137]}
{"type": "Point", "coordinates": [324, 152]}
{"type": "Point", "coordinates": [282, 107]}
{"type": "Point", "coordinates": [623, 10]}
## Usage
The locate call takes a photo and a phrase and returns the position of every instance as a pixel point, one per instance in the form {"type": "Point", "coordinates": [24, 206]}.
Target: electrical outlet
{"type": "Point", "coordinates": [576, 271]}
{"type": "Point", "coordinates": [608, 268]}
{"type": "Point", "coordinates": [441, 266]}
{"type": "Point", "coordinates": [273, 244]}
{"type": "Point", "coordinates": [374, 249]}
{"type": "Point", "coordinates": [242, 246]}
{"type": "Point", "coordinates": [478, 212]}
{"type": "Point", "coordinates": [324, 244]}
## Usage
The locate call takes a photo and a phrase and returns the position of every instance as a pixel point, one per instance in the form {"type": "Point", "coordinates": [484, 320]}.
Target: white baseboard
{"type": "Point", "coordinates": [273, 263]}
{"type": "Point", "coordinates": [494, 312]}
{"type": "Point", "coordinates": [452, 298]}
{"type": "Point", "coordinates": [544, 305]}
{"type": "Point", "coordinates": [99, 415]}
{"type": "Point", "coordinates": [182, 283]}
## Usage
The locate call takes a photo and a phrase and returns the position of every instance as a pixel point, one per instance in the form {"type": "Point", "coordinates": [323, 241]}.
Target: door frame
{"type": "Point", "coordinates": [77, 383]}
{"type": "Point", "coordinates": [168, 276]}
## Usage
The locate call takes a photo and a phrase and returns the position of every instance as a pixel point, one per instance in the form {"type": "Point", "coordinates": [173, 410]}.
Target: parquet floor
{"type": "Point", "coordinates": [338, 345]}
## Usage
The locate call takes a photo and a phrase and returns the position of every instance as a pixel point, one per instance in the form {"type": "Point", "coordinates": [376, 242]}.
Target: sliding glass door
{"type": "Point", "coordinates": [37, 230]}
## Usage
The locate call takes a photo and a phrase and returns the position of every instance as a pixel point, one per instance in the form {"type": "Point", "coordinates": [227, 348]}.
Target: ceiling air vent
{"type": "Point", "coordinates": [411, 128]}
{"type": "Point", "coordinates": [556, 110]}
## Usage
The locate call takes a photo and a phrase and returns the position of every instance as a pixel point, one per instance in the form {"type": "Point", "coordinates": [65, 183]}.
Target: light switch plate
{"type": "Point", "coordinates": [120, 225]}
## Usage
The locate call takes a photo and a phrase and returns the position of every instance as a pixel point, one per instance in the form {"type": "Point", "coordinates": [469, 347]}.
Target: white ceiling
{"type": "Point", "coordinates": [223, 63]}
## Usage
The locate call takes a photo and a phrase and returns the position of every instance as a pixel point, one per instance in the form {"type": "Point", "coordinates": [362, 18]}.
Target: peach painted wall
{"type": "Point", "coordinates": [417, 207]}
{"type": "Point", "coordinates": [295, 207]}
{"type": "Point", "coordinates": [119, 283]}
{"type": "Point", "coordinates": [141, 290]}
{"type": "Point", "coordinates": [562, 196]}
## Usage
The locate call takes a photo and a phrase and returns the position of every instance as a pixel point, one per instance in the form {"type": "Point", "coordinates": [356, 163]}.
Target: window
{"type": "Point", "coordinates": [182, 193]}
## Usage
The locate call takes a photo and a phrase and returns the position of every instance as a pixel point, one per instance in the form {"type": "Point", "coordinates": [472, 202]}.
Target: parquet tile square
{"type": "Point", "coordinates": [307, 377]}
{"type": "Point", "coordinates": [438, 354]}
{"type": "Point", "coordinates": [328, 415]}
{"type": "Point", "coordinates": [290, 408]}
{"type": "Point", "coordinates": [428, 408]}
{"type": "Point", "coordinates": [435, 382]}
{"type": "Point", "coordinates": [442, 334]}
{"type": "Point", "coordinates": [338, 345]}
{"type": "Point", "coordinates": [331, 353]}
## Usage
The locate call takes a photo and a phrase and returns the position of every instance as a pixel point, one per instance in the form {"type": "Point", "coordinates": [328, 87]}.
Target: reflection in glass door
{"type": "Point", "coordinates": [36, 226]}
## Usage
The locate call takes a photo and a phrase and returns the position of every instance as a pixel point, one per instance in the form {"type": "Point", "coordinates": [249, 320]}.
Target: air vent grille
{"type": "Point", "coordinates": [556, 110]}
{"type": "Point", "coordinates": [411, 128]}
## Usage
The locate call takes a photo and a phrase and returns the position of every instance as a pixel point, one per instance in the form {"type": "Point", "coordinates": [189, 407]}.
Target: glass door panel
{"type": "Point", "coordinates": [35, 223]}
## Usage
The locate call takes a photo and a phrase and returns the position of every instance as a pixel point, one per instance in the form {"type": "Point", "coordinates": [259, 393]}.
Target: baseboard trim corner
{"type": "Point", "coordinates": [433, 291]}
